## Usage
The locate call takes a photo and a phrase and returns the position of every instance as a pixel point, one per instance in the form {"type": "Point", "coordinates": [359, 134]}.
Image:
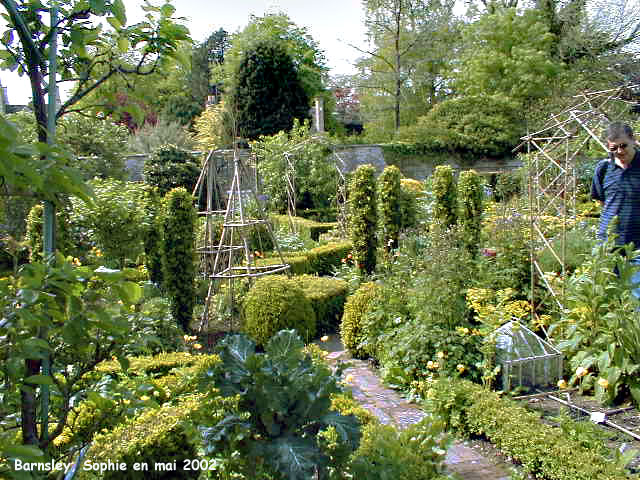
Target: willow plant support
{"type": "Point", "coordinates": [554, 152]}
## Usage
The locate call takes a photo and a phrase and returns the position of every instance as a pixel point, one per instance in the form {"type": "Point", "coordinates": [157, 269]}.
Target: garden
{"type": "Point", "coordinates": [178, 326]}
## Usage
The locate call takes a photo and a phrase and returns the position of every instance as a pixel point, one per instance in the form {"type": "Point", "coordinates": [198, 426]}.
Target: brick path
{"type": "Point", "coordinates": [391, 408]}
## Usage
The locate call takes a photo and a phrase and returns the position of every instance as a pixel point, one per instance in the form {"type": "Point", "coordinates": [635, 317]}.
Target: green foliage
{"type": "Point", "coordinates": [306, 159]}
{"type": "Point", "coordinates": [320, 260]}
{"type": "Point", "coordinates": [509, 55]}
{"type": "Point", "coordinates": [114, 221]}
{"type": "Point", "coordinates": [300, 46]}
{"type": "Point", "coordinates": [543, 451]}
{"type": "Point", "coordinates": [289, 428]}
{"type": "Point", "coordinates": [171, 167]}
{"type": "Point", "coordinates": [179, 254]}
{"type": "Point", "coordinates": [153, 235]}
{"type": "Point", "coordinates": [23, 169]}
{"type": "Point", "coordinates": [410, 191]}
{"type": "Point", "coordinates": [87, 316]}
{"type": "Point", "coordinates": [213, 127]}
{"type": "Point", "coordinates": [470, 194]}
{"type": "Point", "coordinates": [598, 328]}
{"type": "Point", "coordinates": [578, 243]}
{"type": "Point", "coordinates": [363, 217]}
{"type": "Point", "coordinates": [327, 297]}
{"type": "Point", "coordinates": [508, 233]}
{"type": "Point", "coordinates": [155, 436]}
{"type": "Point", "coordinates": [416, 453]}
{"type": "Point", "coordinates": [444, 191]}
{"type": "Point", "coordinates": [149, 138]}
{"type": "Point", "coordinates": [99, 141]}
{"type": "Point", "coordinates": [33, 235]}
{"type": "Point", "coordinates": [508, 185]}
{"type": "Point", "coordinates": [480, 124]}
{"type": "Point", "coordinates": [267, 94]}
{"type": "Point", "coordinates": [353, 325]}
{"type": "Point", "coordinates": [389, 206]}
{"type": "Point", "coordinates": [274, 303]}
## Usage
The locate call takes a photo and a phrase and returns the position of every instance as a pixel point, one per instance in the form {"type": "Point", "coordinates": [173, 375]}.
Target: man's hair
{"type": "Point", "coordinates": [617, 130]}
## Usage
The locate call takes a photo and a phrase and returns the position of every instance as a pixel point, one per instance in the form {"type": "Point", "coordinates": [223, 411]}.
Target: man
{"type": "Point", "coordinates": [616, 183]}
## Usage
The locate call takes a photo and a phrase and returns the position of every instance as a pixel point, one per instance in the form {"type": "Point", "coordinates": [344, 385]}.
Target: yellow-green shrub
{"type": "Point", "coordinates": [389, 206]}
{"type": "Point", "coordinates": [306, 228]}
{"type": "Point", "coordinates": [352, 326]}
{"type": "Point", "coordinates": [157, 364]}
{"type": "Point", "coordinates": [322, 259]}
{"type": "Point", "coordinates": [298, 264]}
{"type": "Point", "coordinates": [544, 451]}
{"type": "Point", "coordinates": [275, 303]}
{"type": "Point", "coordinates": [327, 297]}
{"type": "Point", "coordinates": [363, 217]}
{"type": "Point", "coordinates": [155, 436]}
{"type": "Point", "coordinates": [410, 191]}
{"type": "Point", "coordinates": [416, 453]}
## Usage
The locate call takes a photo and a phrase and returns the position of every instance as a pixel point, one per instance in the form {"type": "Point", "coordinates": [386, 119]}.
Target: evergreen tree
{"type": "Point", "coordinates": [267, 95]}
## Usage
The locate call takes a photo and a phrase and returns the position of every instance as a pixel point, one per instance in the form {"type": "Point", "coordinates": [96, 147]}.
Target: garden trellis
{"type": "Point", "coordinates": [227, 258]}
{"type": "Point", "coordinates": [554, 154]}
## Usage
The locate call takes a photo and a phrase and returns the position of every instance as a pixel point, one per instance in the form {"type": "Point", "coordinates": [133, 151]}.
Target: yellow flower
{"type": "Point", "coordinates": [197, 346]}
{"type": "Point", "coordinates": [144, 398]}
{"type": "Point", "coordinates": [186, 338]}
{"type": "Point", "coordinates": [126, 402]}
{"type": "Point", "coordinates": [324, 338]}
{"type": "Point", "coordinates": [460, 368]}
{"type": "Point", "coordinates": [133, 308]}
{"type": "Point", "coordinates": [603, 382]}
{"type": "Point", "coordinates": [348, 379]}
{"type": "Point", "coordinates": [156, 393]}
{"type": "Point", "coordinates": [440, 354]}
{"type": "Point", "coordinates": [562, 383]}
{"type": "Point", "coordinates": [430, 365]}
{"type": "Point", "coordinates": [581, 372]}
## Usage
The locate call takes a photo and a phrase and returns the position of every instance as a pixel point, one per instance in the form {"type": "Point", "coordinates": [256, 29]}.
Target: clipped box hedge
{"type": "Point", "coordinates": [327, 297]}
{"type": "Point", "coordinates": [544, 451]}
{"type": "Point", "coordinates": [307, 228]}
{"type": "Point", "coordinates": [320, 260]}
{"type": "Point", "coordinates": [157, 436]}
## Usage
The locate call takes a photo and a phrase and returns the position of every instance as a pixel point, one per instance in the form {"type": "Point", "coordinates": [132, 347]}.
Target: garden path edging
{"type": "Point", "coordinates": [390, 408]}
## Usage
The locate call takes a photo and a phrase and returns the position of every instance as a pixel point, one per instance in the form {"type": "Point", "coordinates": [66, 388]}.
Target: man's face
{"type": "Point", "coordinates": [622, 148]}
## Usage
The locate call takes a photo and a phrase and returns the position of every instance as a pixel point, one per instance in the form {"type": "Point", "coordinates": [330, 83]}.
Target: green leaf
{"type": "Point", "coordinates": [123, 44]}
{"type": "Point", "coordinates": [114, 22]}
{"type": "Point", "coordinates": [23, 452]}
{"type": "Point", "coordinates": [129, 292]}
{"type": "Point", "coordinates": [167, 10]}
{"type": "Point", "coordinates": [294, 457]}
{"type": "Point", "coordinates": [39, 380]}
{"type": "Point", "coordinates": [97, 6]}
{"type": "Point", "coordinates": [118, 10]}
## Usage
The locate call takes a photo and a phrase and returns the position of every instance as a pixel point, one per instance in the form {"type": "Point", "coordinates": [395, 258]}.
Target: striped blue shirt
{"type": "Point", "coordinates": [619, 189]}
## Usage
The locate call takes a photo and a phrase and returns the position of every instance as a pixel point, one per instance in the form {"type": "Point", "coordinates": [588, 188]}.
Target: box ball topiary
{"type": "Point", "coordinates": [275, 303]}
{"type": "Point", "coordinates": [352, 327]}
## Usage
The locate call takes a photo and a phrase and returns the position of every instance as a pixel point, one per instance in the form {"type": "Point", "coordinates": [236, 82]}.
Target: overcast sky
{"type": "Point", "coordinates": [332, 23]}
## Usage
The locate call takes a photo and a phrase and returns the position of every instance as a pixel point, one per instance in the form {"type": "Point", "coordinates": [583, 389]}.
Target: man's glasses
{"type": "Point", "coordinates": [614, 148]}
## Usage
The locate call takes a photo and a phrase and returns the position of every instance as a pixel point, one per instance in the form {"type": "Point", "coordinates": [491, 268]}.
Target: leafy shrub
{"type": "Point", "coordinates": [171, 167]}
{"type": "Point", "coordinates": [389, 206]}
{"type": "Point", "coordinates": [34, 238]}
{"type": "Point", "coordinates": [289, 427]}
{"type": "Point", "coordinates": [477, 124]}
{"type": "Point", "coordinates": [213, 127]}
{"type": "Point", "coordinates": [598, 328]}
{"type": "Point", "coordinates": [114, 222]}
{"type": "Point", "coordinates": [578, 243]}
{"type": "Point", "coordinates": [98, 140]}
{"type": "Point", "coordinates": [275, 303]}
{"type": "Point", "coordinates": [410, 191]}
{"type": "Point", "coordinates": [470, 209]}
{"type": "Point", "coordinates": [307, 228]}
{"type": "Point", "coordinates": [416, 453]}
{"type": "Point", "coordinates": [179, 254]}
{"type": "Point", "coordinates": [352, 326]}
{"type": "Point", "coordinates": [155, 436]}
{"type": "Point", "coordinates": [314, 177]}
{"type": "Point", "coordinates": [543, 451]}
{"type": "Point", "coordinates": [444, 191]}
{"type": "Point", "coordinates": [363, 217]}
{"type": "Point", "coordinates": [319, 260]}
{"type": "Point", "coordinates": [508, 185]}
{"type": "Point", "coordinates": [327, 297]}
